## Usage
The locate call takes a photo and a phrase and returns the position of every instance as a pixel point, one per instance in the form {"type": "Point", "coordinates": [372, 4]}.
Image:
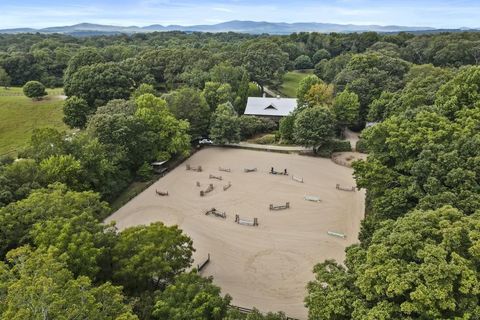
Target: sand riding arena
{"type": "Point", "coordinates": [264, 228]}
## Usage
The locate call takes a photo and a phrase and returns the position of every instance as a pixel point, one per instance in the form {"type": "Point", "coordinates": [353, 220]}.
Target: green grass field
{"type": "Point", "coordinates": [19, 115]}
{"type": "Point", "coordinates": [290, 82]}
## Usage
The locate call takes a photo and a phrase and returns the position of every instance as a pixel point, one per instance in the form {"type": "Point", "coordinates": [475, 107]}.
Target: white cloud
{"type": "Point", "coordinates": [222, 9]}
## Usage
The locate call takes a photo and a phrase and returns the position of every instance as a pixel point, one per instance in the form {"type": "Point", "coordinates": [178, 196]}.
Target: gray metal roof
{"type": "Point", "coordinates": [270, 106]}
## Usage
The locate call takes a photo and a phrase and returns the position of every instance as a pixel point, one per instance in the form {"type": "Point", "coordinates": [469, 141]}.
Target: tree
{"type": "Point", "coordinates": [313, 126]}
{"type": "Point", "coordinates": [367, 75]}
{"type": "Point", "coordinates": [463, 91]}
{"type": "Point", "coordinates": [303, 62]}
{"type": "Point", "coordinates": [304, 86]}
{"type": "Point", "coordinates": [82, 241]}
{"type": "Point", "coordinates": [320, 55]}
{"type": "Point", "coordinates": [265, 62]}
{"type": "Point", "coordinates": [345, 108]}
{"type": "Point", "coordinates": [149, 257]}
{"type": "Point", "coordinates": [193, 297]}
{"type": "Point", "coordinates": [320, 94]}
{"type": "Point", "coordinates": [5, 79]}
{"type": "Point", "coordinates": [216, 93]}
{"type": "Point", "coordinates": [99, 83]}
{"type": "Point", "coordinates": [286, 128]}
{"type": "Point", "coordinates": [84, 57]}
{"type": "Point", "coordinates": [34, 90]}
{"type": "Point", "coordinates": [76, 112]}
{"type": "Point", "coordinates": [40, 286]}
{"type": "Point", "coordinates": [62, 168]}
{"type": "Point", "coordinates": [189, 104]}
{"type": "Point", "coordinates": [421, 266]}
{"type": "Point", "coordinates": [55, 201]}
{"type": "Point", "coordinates": [224, 126]}
{"type": "Point", "coordinates": [144, 88]}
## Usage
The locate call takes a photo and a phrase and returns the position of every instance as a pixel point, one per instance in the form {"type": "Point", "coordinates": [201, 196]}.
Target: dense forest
{"type": "Point", "coordinates": [134, 99]}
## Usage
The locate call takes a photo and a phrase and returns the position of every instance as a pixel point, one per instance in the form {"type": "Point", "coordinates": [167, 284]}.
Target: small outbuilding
{"type": "Point", "coordinates": [274, 108]}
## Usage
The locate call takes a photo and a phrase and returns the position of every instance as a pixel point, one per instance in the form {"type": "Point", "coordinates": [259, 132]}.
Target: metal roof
{"type": "Point", "coordinates": [270, 106]}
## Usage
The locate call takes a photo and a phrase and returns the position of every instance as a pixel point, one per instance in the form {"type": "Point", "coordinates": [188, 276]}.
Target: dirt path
{"type": "Point", "coordinates": [267, 266]}
{"type": "Point", "coordinates": [351, 136]}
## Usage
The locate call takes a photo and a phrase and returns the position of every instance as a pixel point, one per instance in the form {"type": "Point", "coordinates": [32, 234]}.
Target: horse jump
{"type": "Point", "coordinates": [198, 183]}
{"type": "Point", "coordinates": [160, 193]}
{"type": "Point", "coordinates": [216, 213]}
{"type": "Point", "coordinates": [226, 187]}
{"type": "Point", "coordinates": [224, 169]}
{"type": "Point", "coordinates": [215, 177]}
{"type": "Point", "coordinates": [201, 266]}
{"type": "Point", "coordinates": [298, 179]}
{"type": "Point", "coordinates": [209, 189]}
{"type": "Point", "coordinates": [312, 198]}
{"type": "Point", "coordinates": [282, 173]}
{"type": "Point", "coordinates": [286, 206]}
{"type": "Point", "coordinates": [352, 189]}
{"type": "Point", "coordinates": [250, 170]}
{"type": "Point", "coordinates": [336, 234]}
{"type": "Point", "coordinates": [197, 169]}
{"type": "Point", "coordinates": [244, 222]}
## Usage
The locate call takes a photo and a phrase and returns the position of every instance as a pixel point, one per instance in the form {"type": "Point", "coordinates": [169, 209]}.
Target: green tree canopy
{"type": "Point", "coordinates": [34, 90]}
{"type": "Point", "coordinates": [345, 108]}
{"type": "Point", "coordinates": [421, 266]}
{"type": "Point", "coordinates": [191, 297]}
{"type": "Point", "coordinates": [225, 126]}
{"type": "Point", "coordinates": [265, 62]}
{"type": "Point", "coordinates": [99, 83]}
{"type": "Point", "coordinates": [149, 257]}
{"type": "Point", "coordinates": [313, 126]}
{"type": "Point", "coordinates": [76, 111]}
{"type": "Point", "coordinates": [39, 286]}
{"type": "Point", "coordinates": [189, 104]}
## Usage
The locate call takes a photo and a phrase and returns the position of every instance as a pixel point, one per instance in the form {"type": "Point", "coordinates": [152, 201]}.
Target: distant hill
{"type": "Point", "coordinates": [253, 27]}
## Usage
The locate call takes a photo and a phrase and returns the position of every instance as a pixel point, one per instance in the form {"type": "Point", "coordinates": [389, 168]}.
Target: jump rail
{"type": "Point", "coordinates": [281, 173]}
{"type": "Point", "coordinates": [286, 206]}
{"type": "Point", "coordinates": [216, 213]}
{"type": "Point", "coordinates": [202, 266]}
{"type": "Point", "coordinates": [197, 169]}
{"type": "Point", "coordinates": [352, 189]}
{"type": "Point", "coordinates": [246, 170]}
{"type": "Point", "coordinates": [215, 177]}
{"type": "Point", "coordinates": [244, 222]}
{"type": "Point", "coordinates": [209, 189]}
{"type": "Point", "coordinates": [298, 179]}
{"type": "Point", "coordinates": [312, 198]}
{"type": "Point", "coordinates": [226, 187]}
{"type": "Point", "coordinates": [224, 169]}
{"type": "Point", "coordinates": [337, 234]}
{"type": "Point", "coordinates": [244, 310]}
{"type": "Point", "coordinates": [160, 193]}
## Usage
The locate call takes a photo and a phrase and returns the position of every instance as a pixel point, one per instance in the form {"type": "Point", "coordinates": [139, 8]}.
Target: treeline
{"type": "Point", "coordinates": [176, 57]}
{"type": "Point", "coordinates": [142, 98]}
{"type": "Point", "coordinates": [418, 257]}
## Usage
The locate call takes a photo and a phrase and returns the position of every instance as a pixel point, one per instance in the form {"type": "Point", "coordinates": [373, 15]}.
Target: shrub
{"type": "Point", "coordinates": [361, 146]}
{"type": "Point", "coordinates": [303, 62]}
{"type": "Point", "coordinates": [266, 139]}
{"type": "Point", "coordinates": [332, 146]}
{"type": "Point", "coordinates": [34, 90]}
{"type": "Point", "coordinates": [251, 125]}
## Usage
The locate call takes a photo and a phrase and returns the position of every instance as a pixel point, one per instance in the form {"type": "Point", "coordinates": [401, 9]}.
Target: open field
{"type": "Point", "coordinates": [266, 266]}
{"type": "Point", "coordinates": [19, 115]}
{"type": "Point", "coordinates": [290, 82]}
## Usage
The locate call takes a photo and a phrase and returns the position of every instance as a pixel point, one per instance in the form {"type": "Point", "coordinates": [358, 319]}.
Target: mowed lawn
{"type": "Point", "coordinates": [291, 80]}
{"type": "Point", "coordinates": [19, 116]}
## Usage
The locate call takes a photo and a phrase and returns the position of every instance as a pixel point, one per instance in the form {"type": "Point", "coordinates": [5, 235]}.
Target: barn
{"type": "Point", "coordinates": [274, 108]}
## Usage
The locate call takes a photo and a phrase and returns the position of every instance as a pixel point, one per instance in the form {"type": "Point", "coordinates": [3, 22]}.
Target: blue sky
{"type": "Point", "coordinates": [43, 13]}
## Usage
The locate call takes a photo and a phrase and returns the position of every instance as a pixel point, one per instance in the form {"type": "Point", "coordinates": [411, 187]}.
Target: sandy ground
{"type": "Point", "coordinates": [347, 158]}
{"type": "Point", "coordinates": [267, 266]}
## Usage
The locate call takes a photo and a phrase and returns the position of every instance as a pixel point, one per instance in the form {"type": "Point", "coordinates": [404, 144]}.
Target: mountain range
{"type": "Point", "coordinates": [253, 27]}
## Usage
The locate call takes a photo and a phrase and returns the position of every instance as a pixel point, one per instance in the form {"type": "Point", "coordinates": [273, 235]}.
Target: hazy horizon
{"type": "Point", "coordinates": [422, 13]}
